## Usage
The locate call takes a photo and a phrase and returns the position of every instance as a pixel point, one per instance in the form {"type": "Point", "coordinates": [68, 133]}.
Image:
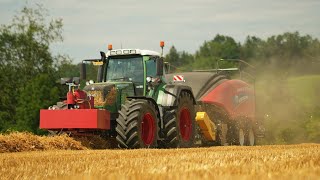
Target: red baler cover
{"type": "Point", "coordinates": [75, 119]}
{"type": "Point", "coordinates": [235, 96]}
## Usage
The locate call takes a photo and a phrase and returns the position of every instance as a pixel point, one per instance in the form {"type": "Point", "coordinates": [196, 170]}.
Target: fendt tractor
{"type": "Point", "coordinates": [136, 102]}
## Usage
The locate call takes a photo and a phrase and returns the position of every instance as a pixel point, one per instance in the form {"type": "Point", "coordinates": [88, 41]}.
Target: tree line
{"type": "Point", "coordinates": [284, 53]}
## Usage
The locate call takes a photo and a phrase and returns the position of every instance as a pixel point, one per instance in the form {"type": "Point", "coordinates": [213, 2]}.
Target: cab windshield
{"type": "Point", "coordinates": [125, 68]}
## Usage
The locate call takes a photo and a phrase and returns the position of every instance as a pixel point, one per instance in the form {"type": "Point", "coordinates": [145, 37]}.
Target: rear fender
{"type": "Point", "coordinates": [169, 95]}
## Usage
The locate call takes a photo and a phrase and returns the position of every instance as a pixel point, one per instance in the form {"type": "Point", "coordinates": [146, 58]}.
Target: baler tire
{"type": "Point", "coordinates": [250, 135]}
{"type": "Point", "coordinates": [235, 133]}
{"type": "Point", "coordinates": [137, 125]}
{"type": "Point", "coordinates": [174, 137]}
{"type": "Point", "coordinates": [243, 133]}
{"type": "Point", "coordinates": [240, 136]}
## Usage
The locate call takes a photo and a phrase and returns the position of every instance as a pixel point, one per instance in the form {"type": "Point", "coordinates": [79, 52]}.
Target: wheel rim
{"type": "Point", "coordinates": [185, 124]}
{"type": "Point", "coordinates": [251, 137]}
{"type": "Point", "coordinates": [241, 137]}
{"type": "Point", "coordinates": [148, 129]}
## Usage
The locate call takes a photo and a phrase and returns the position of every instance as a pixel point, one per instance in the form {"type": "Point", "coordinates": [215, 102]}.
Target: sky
{"type": "Point", "coordinates": [89, 26]}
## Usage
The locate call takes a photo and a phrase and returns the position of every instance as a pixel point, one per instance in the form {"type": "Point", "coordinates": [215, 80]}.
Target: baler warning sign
{"type": "Point", "coordinates": [178, 78]}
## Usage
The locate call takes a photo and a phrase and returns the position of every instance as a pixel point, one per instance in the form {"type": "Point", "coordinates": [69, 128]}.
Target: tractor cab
{"type": "Point", "coordinates": [133, 65]}
{"type": "Point", "coordinates": [127, 72]}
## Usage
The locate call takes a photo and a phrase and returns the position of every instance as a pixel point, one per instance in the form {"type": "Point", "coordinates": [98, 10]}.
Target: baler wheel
{"type": "Point", "coordinates": [244, 134]}
{"type": "Point", "coordinates": [250, 138]}
{"type": "Point", "coordinates": [179, 123]}
{"type": "Point", "coordinates": [137, 125]}
{"type": "Point", "coordinates": [241, 137]}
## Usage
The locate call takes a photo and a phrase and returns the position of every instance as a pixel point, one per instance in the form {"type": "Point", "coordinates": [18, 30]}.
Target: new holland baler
{"type": "Point", "coordinates": [229, 104]}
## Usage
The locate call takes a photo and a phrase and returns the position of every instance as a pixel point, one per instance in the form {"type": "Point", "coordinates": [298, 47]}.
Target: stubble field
{"type": "Point", "coordinates": [260, 162]}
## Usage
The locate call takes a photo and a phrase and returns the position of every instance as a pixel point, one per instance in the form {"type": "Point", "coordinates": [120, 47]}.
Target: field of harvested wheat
{"type": "Point", "coordinates": [260, 162]}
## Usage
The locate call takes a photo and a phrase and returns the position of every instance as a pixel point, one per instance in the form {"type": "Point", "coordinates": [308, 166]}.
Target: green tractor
{"type": "Point", "coordinates": [140, 109]}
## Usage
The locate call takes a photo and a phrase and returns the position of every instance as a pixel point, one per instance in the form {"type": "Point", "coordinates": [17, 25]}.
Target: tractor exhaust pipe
{"type": "Point", "coordinates": [83, 71]}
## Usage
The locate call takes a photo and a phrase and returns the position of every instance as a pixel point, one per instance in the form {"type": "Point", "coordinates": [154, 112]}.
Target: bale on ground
{"type": "Point", "coordinates": [24, 141]}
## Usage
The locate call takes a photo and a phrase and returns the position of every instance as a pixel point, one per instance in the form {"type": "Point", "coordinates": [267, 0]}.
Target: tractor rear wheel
{"type": "Point", "coordinates": [179, 123]}
{"type": "Point", "coordinates": [137, 125]}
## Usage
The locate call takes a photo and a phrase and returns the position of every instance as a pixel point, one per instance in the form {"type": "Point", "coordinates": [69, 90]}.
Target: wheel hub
{"type": "Point", "coordinates": [185, 124]}
{"type": "Point", "coordinates": [147, 129]}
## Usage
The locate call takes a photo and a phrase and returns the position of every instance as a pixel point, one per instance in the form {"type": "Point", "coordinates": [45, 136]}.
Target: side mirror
{"type": "Point", "coordinates": [83, 71]}
{"type": "Point", "coordinates": [159, 66]}
{"type": "Point", "coordinates": [103, 55]}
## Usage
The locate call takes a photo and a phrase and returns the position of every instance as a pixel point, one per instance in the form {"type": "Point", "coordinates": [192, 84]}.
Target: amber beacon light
{"type": "Point", "coordinates": [162, 44]}
{"type": "Point", "coordinates": [110, 47]}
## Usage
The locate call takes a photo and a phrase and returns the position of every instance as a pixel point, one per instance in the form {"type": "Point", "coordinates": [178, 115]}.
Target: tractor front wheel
{"type": "Point", "coordinates": [137, 125]}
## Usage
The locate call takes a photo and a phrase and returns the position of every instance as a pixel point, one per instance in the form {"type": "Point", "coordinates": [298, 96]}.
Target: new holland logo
{"type": "Point", "coordinates": [178, 78]}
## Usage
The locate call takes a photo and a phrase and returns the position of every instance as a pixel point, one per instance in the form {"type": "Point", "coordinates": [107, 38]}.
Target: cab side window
{"type": "Point", "coordinates": [151, 68]}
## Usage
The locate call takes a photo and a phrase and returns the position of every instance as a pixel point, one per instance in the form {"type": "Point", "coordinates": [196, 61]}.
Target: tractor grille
{"type": "Point", "coordinates": [99, 99]}
{"type": "Point", "coordinates": [104, 94]}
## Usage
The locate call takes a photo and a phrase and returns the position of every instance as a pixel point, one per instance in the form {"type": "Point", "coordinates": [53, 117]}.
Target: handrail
{"type": "Point", "coordinates": [240, 62]}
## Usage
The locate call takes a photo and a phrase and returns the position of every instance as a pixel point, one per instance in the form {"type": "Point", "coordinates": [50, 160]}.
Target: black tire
{"type": "Point", "coordinates": [221, 135]}
{"type": "Point", "coordinates": [137, 125]}
{"type": "Point", "coordinates": [242, 133]}
{"type": "Point", "coordinates": [179, 123]}
{"type": "Point", "coordinates": [235, 133]}
{"type": "Point", "coordinates": [240, 136]}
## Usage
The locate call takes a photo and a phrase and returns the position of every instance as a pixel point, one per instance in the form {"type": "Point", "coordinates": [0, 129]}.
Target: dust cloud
{"type": "Point", "coordinates": [288, 102]}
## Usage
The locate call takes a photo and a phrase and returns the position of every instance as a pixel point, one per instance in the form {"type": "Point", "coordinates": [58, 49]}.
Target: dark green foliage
{"type": "Point", "coordinates": [28, 68]}
{"type": "Point", "coordinates": [180, 61]}
{"type": "Point", "coordinates": [312, 126]}
{"type": "Point", "coordinates": [39, 93]}
{"type": "Point", "coordinates": [220, 47]}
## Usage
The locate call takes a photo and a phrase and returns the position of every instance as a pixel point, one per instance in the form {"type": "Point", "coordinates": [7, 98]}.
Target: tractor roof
{"type": "Point", "coordinates": [119, 52]}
